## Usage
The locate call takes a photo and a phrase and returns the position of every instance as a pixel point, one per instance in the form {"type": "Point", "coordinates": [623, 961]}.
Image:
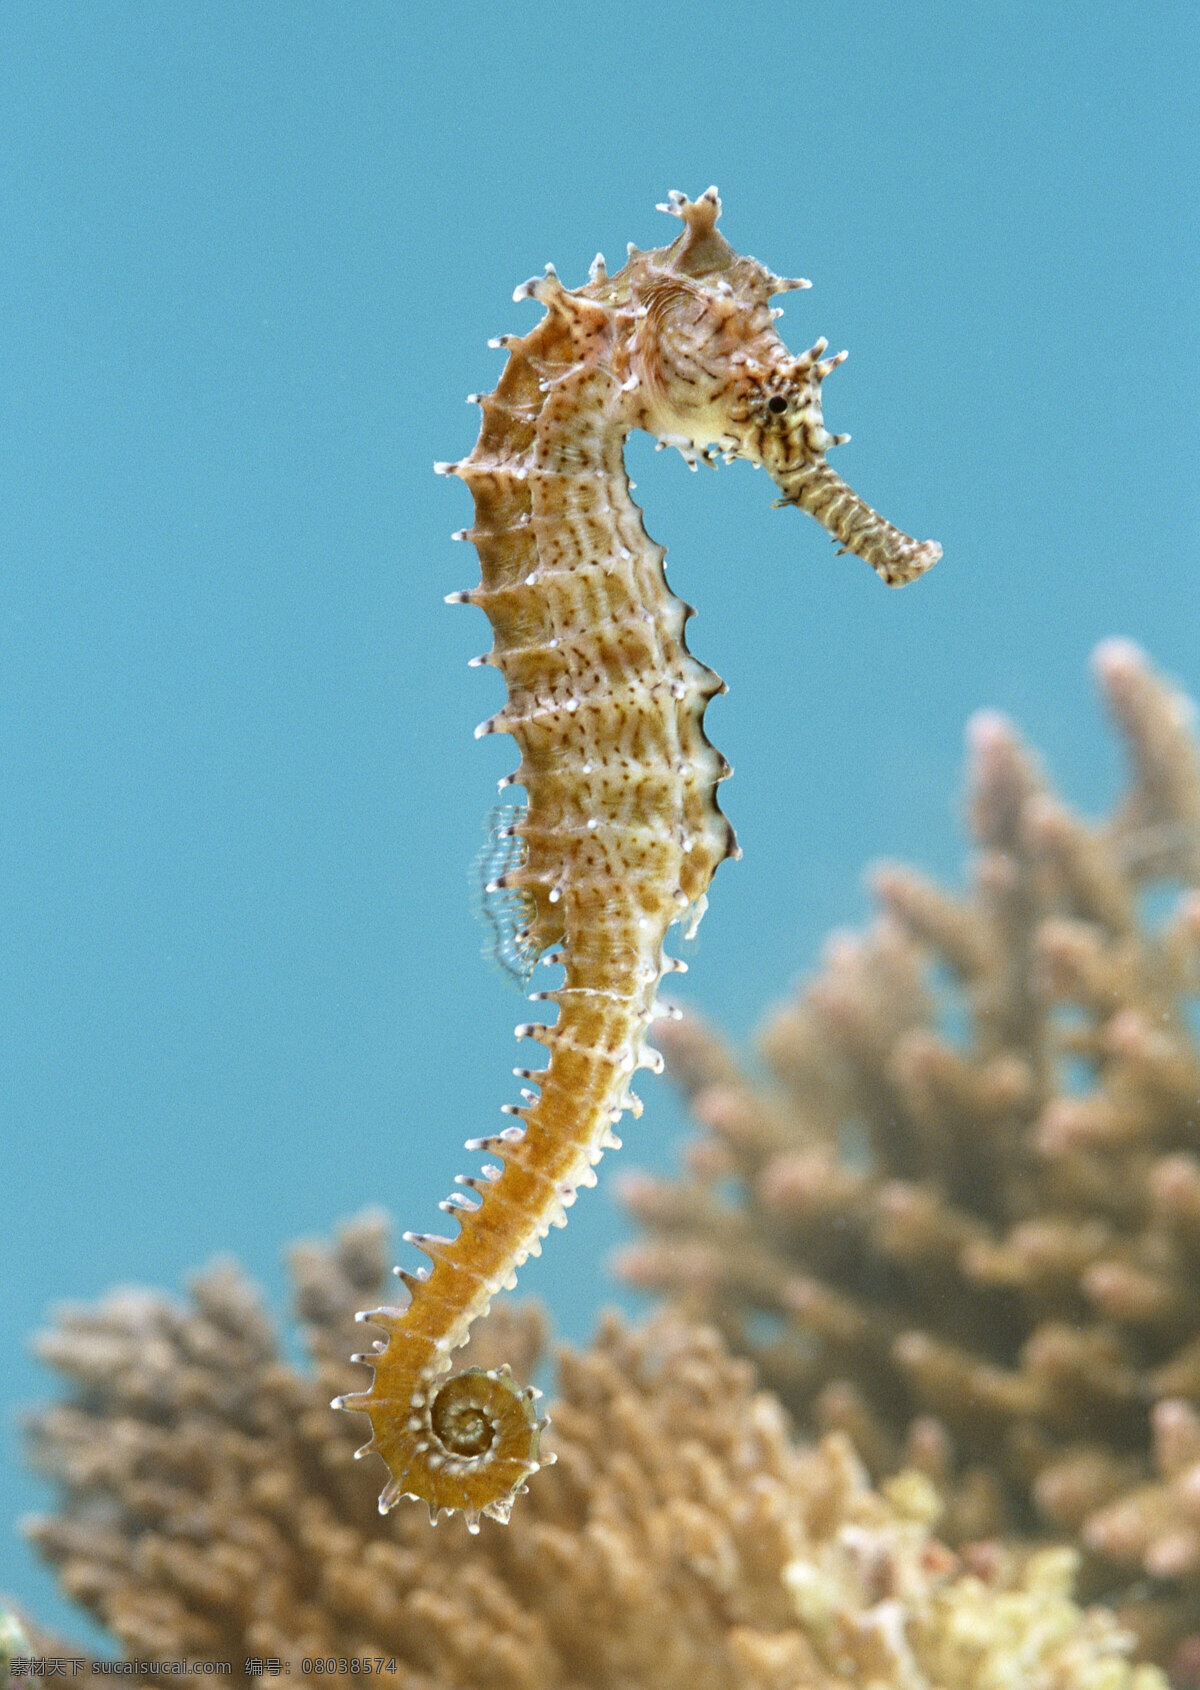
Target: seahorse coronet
{"type": "Point", "coordinates": [621, 832]}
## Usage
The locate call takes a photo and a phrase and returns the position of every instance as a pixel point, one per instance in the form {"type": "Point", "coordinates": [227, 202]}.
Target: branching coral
{"type": "Point", "coordinates": [212, 1509]}
{"type": "Point", "coordinates": [963, 1224]}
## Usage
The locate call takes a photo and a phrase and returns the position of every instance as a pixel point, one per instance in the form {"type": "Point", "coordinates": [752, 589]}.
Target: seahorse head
{"type": "Point", "coordinates": [708, 369]}
{"type": "Point", "coordinates": [702, 368]}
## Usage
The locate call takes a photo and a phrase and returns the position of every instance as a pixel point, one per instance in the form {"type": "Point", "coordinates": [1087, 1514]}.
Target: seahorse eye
{"type": "Point", "coordinates": [777, 403]}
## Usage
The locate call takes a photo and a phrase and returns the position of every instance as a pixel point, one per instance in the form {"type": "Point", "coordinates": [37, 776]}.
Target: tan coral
{"type": "Point", "coordinates": [211, 1509]}
{"type": "Point", "coordinates": [965, 1219]}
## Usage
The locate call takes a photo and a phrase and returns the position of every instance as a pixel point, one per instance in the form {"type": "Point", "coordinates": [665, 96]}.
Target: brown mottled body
{"type": "Point", "coordinates": [622, 832]}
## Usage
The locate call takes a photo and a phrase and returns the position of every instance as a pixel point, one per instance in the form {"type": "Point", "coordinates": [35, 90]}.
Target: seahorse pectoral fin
{"type": "Point", "coordinates": [895, 556]}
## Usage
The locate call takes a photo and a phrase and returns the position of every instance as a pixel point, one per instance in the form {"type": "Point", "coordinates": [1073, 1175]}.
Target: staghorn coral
{"type": "Point", "coordinates": [212, 1509]}
{"type": "Point", "coordinates": [963, 1223]}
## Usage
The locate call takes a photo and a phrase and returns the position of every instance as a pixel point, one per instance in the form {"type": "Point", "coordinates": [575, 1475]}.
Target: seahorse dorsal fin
{"type": "Point", "coordinates": [508, 910]}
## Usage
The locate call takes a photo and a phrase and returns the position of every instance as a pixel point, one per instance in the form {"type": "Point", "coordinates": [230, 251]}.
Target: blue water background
{"type": "Point", "coordinates": [250, 256]}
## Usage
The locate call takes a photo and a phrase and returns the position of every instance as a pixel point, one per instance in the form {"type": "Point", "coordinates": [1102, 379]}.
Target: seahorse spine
{"type": "Point", "coordinates": [622, 832]}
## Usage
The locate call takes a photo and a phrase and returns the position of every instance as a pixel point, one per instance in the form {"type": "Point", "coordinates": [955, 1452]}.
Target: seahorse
{"type": "Point", "coordinates": [622, 832]}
